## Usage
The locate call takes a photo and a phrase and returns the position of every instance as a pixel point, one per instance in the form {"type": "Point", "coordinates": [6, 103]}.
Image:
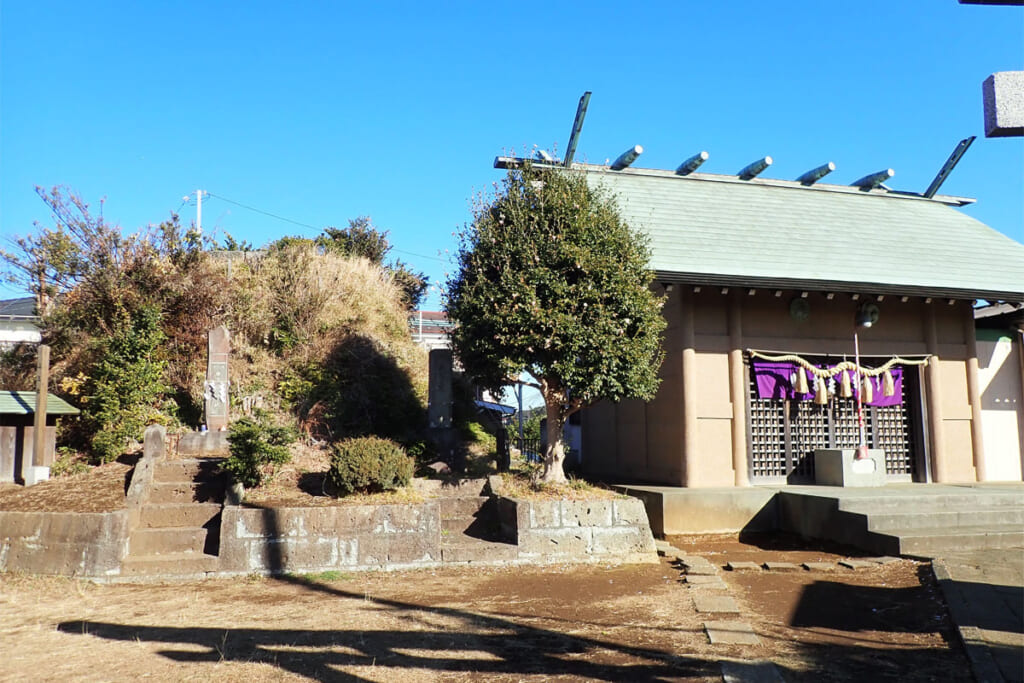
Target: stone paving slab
{"type": "Point", "coordinates": [743, 567]}
{"type": "Point", "coordinates": [857, 564]}
{"type": "Point", "coordinates": [699, 566]}
{"type": "Point", "coordinates": [705, 581]}
{"type": "Point", "coordinates": [750, 672]}
{"type": "Point", "coordinates": [820, 566]}
{"type": "Point", "coordinates": [985, 594]}
{"type": "Point", "coordinates": [782, 567]}
{"type": "Point", "coordinates": [720, 604]}
{"type": "Point", "coordinates": [730, 633]}
{"type": "Point", "coordinates": [888, 559]}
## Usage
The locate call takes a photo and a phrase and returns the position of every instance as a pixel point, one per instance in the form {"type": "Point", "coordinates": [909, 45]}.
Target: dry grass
{"type": "Point", "coordinates": [294, 310]}
{"type": "Point", "coordinates": [524, 484]}
{"type": "Point", "coordinates": [101, 489]}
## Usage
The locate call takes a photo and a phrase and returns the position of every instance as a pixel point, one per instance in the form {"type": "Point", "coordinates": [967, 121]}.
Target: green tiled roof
{"type": "Point", "coordinates": [720, 230]}
{"type": "Point", "coordinates": [24, 403]}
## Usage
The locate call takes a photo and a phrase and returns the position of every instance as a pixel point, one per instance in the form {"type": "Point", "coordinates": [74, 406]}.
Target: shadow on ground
{"type": "Point", "coordinates": [492, 645]}
{"type": "Point", "coordinates": [487, 645]}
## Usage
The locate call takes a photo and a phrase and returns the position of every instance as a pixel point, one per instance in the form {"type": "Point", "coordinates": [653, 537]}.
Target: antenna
{"type": "Point", "coordinates": [577, 126]}
{"type": "Point", "coordinates": [948, 167]}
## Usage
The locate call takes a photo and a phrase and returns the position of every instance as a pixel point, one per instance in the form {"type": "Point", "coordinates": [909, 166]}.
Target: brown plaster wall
{"type": "Point", "coordinates": [618, 446]}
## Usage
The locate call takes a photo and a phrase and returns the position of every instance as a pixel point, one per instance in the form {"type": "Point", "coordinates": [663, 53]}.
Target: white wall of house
{"type": "Point", "coordinates": [18, 332]}
{"type": "Point", "coordinates": [1002, 405]}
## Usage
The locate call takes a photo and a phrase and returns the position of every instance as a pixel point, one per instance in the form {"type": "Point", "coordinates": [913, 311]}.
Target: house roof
{"type": "Point", "coordinates": [24, 403]}
{"type": "Point", "coordinates": [720, 230]}
{"type": "Point", "coordinates": [24, 307]}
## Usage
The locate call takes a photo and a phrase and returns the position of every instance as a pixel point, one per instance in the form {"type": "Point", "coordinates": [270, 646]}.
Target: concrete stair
{"type": "Point", "coordinates": [921, 522]}
{"type": "Point", "coordinates": [471, 531]}
{"type": "Point", "coordinates": [178, 529]}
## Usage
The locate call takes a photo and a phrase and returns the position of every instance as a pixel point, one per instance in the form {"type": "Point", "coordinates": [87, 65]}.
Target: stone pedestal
{"type": "Point", "coordinates": [35, 474]}
{"type": "Point", "coordinates": [839, 467]}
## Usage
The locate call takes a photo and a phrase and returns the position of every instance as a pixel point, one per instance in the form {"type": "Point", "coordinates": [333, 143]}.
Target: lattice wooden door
{"type": "Point", "coordinates": [783, 435]}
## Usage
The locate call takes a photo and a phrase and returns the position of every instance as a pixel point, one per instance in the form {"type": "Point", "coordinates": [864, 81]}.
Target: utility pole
{"type": "Point", "coordinates": [199, 210]}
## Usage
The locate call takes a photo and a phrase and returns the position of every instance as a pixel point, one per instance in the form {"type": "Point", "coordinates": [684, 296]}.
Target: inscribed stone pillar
{"type": "Point", "coordinates": [439, 408]}
{"type": "Point", "coordinates": [439, 392]}
{"type": "Point", "coordinates": [216, 389]}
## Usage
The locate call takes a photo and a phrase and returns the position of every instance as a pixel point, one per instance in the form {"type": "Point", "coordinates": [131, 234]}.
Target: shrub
{"type": "Point", "coordinates": [369, 464]}
{"type": "Point", "coordinates": [127, 385]}
{"type": "Point", "coordinates": [253, 444]}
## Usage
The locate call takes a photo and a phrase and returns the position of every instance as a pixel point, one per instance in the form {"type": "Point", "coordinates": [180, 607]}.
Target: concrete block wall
{"type": "Point", "coordinates": [88, 545]}
{"type": "Point", "coordinates": [276, 540]}
{"type": "Point", "coordinates": [578, 531]}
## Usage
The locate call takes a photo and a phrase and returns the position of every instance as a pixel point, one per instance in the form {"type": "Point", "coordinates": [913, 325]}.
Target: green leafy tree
{"type": "Point", "coordinates": [127, 385]}
{"type": "Point", "coordinates": [552, 282]}
{"type": "Point", "coordinates": [360, 238]}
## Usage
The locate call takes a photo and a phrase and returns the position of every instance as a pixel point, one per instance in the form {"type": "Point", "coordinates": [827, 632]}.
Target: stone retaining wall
{"type": "Point", "coordinates": [578, 531]}
{"type": "Point", "coordinates": [84, 544]}
{"type": "Point", "coordinates": [276, 540]}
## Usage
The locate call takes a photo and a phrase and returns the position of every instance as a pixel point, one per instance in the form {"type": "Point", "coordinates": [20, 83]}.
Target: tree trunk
{"type": "Point", "coordinates": [554, 453]}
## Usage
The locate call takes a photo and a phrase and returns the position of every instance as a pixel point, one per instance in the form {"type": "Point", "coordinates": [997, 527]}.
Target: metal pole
{"type": "Point", "coordinates": [519, 393]}
{"type": "Point", "coordinates": [862, 449]}
{"type": "Point", "coordinates": [199, 210]}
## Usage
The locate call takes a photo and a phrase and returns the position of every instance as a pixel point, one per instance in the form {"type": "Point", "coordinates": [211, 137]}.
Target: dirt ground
{"type": "Point", "coordinates": [604, 623]}
{"type": "Point", "coordinates": [562, 623]}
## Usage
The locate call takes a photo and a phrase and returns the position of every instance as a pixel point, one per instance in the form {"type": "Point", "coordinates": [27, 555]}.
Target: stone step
{"type": "Point", "coordinates": [186, 492]}
{"type": "Point", "coordinates": [937, 541]}
{"type": "Point", "coordinates": [950, 519]}
{"type": "Point", "coordinates": [463, 507]}
{"type": "Point", "coordinates": [449, 488]}
{"type": "Point", "coordinates": [167, 541]}
{"type": "Point", "coordinates": [933, 502]}
{"type": "Point", "coordinates": [194, 469]}
{"type": "Point", "coordinates": [467, 549]}
{"type": "Point", "coordinates": [183, 565]}
{"type": "Point", "coordinates": [161, 515]}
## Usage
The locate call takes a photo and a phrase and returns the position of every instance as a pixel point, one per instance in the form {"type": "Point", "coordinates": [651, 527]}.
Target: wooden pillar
{"type": "Point", "coordinates": [689, 389]}
{"type": "Point", "coordinates": [738, 391]}
{"type": "Point", "coordinates": [34, 467]}
{"type": "Point", "coordinates": [39, 427]}
{"type": "Point", "coordinates": [974, 396]}
{"type": "Point", "coordinates": [935, 432]}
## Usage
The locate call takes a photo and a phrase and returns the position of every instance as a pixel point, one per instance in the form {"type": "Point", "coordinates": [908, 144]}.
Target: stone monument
{"type": "Point", "coordinates": [215, 390]}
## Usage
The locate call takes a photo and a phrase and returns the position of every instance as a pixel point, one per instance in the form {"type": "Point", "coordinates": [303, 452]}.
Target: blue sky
{"type": "Point", "coordinates": [321, 111]}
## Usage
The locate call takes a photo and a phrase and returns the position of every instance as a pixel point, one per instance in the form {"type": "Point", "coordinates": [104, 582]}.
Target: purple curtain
{"type": "Point", "coordinates": [776, 380]}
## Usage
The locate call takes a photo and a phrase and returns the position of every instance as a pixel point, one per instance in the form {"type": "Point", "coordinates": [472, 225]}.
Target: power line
{"type": "Point", "coordinates": [265, 213]}
{"type": "Point", "coordinates": [307, 225]}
